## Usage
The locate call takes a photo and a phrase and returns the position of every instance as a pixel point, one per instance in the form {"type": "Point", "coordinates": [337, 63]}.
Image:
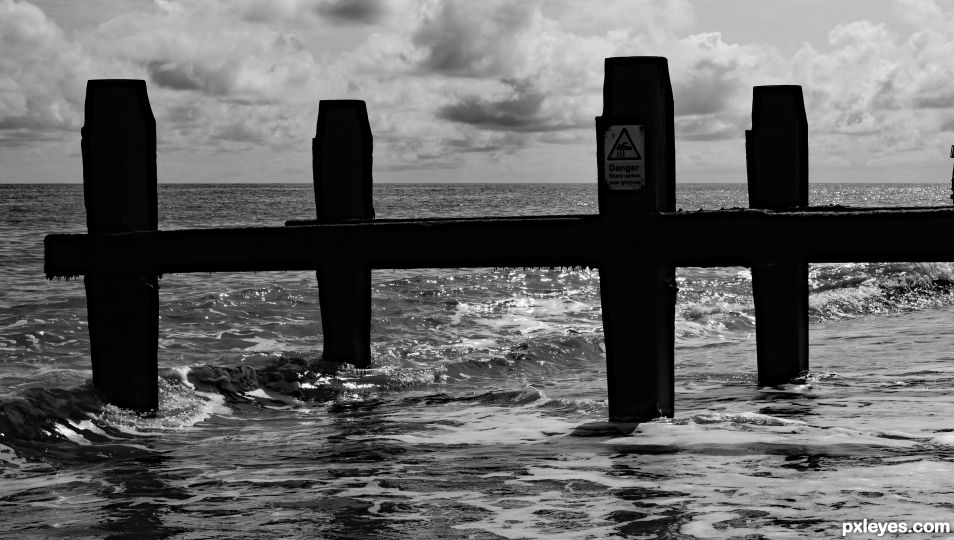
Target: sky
{"type": "Point", "coordinates": [488, 90]}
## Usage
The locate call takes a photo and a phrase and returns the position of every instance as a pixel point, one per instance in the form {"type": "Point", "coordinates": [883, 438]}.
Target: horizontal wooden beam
{"type": "Point", "coordinates": [739, 237]}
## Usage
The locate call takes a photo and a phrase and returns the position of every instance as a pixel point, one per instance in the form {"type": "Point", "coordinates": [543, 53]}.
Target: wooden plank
{"type": "Point", "coordinates": [119, 186]}
{"type": "Point", "coordinates": [636, 178]}
{"type": "Point", "coordinates": [777, 166]}
{"type": "Point", "coordinates": [707, 238]}
{"type": "Point", "coordinates": [342, 154]}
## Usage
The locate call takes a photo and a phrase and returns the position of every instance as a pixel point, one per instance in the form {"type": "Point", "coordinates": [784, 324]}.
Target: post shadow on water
{"type": "Point", "coordinates": [139, 491]}
{"type": "Point", "coordinates": [635, 232]}
{"type": "Point", "coordinates": [120, 486]}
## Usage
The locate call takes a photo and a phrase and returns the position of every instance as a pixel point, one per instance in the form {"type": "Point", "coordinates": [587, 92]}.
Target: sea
{"type": "Point", "coordinates": [483, 413]}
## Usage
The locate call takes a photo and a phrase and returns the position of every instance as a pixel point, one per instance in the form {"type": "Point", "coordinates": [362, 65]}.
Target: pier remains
{"type": "Point", "coordinates": [636, 241]}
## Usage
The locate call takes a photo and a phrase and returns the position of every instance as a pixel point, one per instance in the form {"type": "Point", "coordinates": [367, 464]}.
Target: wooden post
{"type": "Point", "coordinates": [636, 157]}
{"type": "Point", "coordinates": [776, 151]}
{"type": "Point", "coordinates": [341, 152]}
{"type": "Point", "coordinates": [119, 187]}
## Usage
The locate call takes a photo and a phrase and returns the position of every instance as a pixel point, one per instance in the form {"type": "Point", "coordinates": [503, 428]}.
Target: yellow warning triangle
{"type": "Point", "coordinates": [623, 148]}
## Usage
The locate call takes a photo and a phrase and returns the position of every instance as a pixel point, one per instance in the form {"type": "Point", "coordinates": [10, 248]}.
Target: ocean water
{"type": "Point", "coordinates": [472, 421]}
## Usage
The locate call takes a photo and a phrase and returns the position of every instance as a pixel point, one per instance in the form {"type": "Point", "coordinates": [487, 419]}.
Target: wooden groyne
{"type": "Point", "coordinates": [636, 241]}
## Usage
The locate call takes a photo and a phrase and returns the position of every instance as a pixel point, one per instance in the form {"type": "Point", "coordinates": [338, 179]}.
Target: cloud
{"type": "Point", "coordinates": [520, 111]}
{"type": "Point", "coordinates": [478, 39]}
{"type": "Point", "coordinates": [42, 80]}
{"type": "Point", "coordinates": [352, 11]}
{"type": "Point", "coordinates": [240, 59]}
{"type": "Point", "coordinates": [238, 132]}
{"type": "Point", "coordinates": [298, 13]}
{"type": "Point", "coordinates": [947, 124]}
{"type": "Point", "coordinates": [450, 83]}
{"type": "Point", "coordinates": [599, 17]}
{"type": "Point", "coordinates": [710, 127]}
{"type": "Point", "coordinates": [190, 76]}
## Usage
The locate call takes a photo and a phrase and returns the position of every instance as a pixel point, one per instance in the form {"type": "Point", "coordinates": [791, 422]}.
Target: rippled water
{"type": "Point", "coordinates": [477, 419]}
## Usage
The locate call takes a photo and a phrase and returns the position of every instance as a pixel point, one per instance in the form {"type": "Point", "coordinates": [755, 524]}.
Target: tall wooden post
{"type": "Point", "coordinates": [776, 151]}
{"type": "Point", "coordinates": [636, 156]}
{"type": "Point", "coordinates": [341, 153]}
{"type": "Point", "coordinates": [119, 187]}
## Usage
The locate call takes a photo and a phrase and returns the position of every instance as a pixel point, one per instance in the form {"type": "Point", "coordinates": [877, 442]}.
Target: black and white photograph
{"type": "Point", "coordinates": [476, 269]}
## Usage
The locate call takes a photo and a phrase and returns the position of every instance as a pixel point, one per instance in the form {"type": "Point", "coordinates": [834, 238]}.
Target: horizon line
{"type": "Point", "coordinates": [484, 182]}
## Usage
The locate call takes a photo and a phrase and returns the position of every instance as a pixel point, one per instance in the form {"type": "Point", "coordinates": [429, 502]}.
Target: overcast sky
{"type": "Point", "coordinates": [479, 90]}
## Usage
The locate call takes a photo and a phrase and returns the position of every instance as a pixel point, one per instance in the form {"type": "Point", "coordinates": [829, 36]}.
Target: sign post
{"type": "Point", "coordinates": [636, 153]}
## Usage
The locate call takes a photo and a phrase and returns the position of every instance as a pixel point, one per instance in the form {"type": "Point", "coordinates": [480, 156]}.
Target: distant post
{"type": "Point", "coordinates": [636, 171]}
{"type": "Point", "coordinates": [776, 150]}
{"type": "Point", "coordinates": [119, 187]}
{"type": "Point", "coordinates": [342, 153]}
{"type": "Point", "coordinates": [952, 175]}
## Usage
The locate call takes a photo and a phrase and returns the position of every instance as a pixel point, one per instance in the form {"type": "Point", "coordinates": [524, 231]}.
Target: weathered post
{"type": "Point", "coordinates": [776, 151]}
{"type": "Point", "coordinates": [636, 157]}
{"type": "Point", "coordinates": [342, 153]}
{"type": "Point", "coordinates": [119, 187]}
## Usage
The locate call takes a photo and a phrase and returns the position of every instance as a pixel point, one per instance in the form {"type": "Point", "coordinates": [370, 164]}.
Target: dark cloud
{"type": "Point", "coordinates": [352, 11]}
{"type": "Point", "coordinates": [43, 120]}
{"type": "Point", "coordinates": [238, 133]}
{"type": "Point", "coordinates": [470, 146]}
{"type": "Point", "coordinates": [184, 118]}
{"type": "Point", "coordinates": [520, 112]}
{"type": "Point", "coordinates": [886, 96]}
{"type": "Point", "coordinates": [190, 76]}
{"type": "Point", "coordinates": [708, 89]}
{"type": "Point", "coordinates": [17, 137]}
{"type": "Point", "coordinates": [710, 127]}
{"type": "Point", "coordinates": [936, 101]}
{"type": "Point", "coordinates": [856, 123]}
{"type": "Point", "coordinates": [172, 76]}
{"type": "Point", "coordinates": [473, 39]}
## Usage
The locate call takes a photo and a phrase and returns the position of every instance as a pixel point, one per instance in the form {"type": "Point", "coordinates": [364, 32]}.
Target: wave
{"type": "Point", "coordinates": [76, 425]}
{"type": "Point", "coordinates": [709, 306]}
{"type": "Point", "coordinates": [851, 290]}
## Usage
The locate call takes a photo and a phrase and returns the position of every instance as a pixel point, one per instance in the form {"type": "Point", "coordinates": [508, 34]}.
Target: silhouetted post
{"type": "Point", "coordinates": [636, 156]}
{"type": "Point", "coordinates": [119, 187]}
{"type": "Point", "coordinates": [776, 151]}
{"type": "Point", "coordinates": [341, 153]}
{"type": "Point", "coordinates": [952, 176]}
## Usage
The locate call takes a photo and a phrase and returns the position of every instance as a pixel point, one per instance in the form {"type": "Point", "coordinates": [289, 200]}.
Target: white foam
{"type": "Point", "coordinates": [701, 432]}
{"type": "Point", "coordinates": [481, 425]}
{"type": "Point", "coordinates": [71, 435]}
{"type": "Point", "coordinates": [281, 398]}
{"type": "Point", "coordinates": [702, 526]}
{"type": "Point", "coordinates": [261, 344]}
{"type": "Point", "coordinates": [86, 425]}
{"type": "Point", "coordinates": [180, 408]}
{"type": "Point", "coordinates": [944, 439]}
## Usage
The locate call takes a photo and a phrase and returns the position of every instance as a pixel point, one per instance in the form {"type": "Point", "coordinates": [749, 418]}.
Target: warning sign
{"type": "Point", "coordinates": [623, 148]}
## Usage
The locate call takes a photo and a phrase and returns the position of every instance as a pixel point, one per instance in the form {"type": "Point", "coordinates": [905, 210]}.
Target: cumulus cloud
{"type": "Point", "coordinates": [41, 77]}
{"type": "Point", "coordinates": [449, 81]}
{"type": "Point", "coordinates": [710, 76]}
{"type": "Point", "coordinates": [521, 110]}
{"type": "Point", "coordinates": [352, 11]}
{"type": "Point", "coordinates": [710, 127]}
{"type": "Point", "coordinates": [478, 39]}
{"type": "Point", "coordinates": [599, 17]}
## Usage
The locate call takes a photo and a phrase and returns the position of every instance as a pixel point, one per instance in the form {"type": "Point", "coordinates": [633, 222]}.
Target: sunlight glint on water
{"type": "Point", "coordinates": [469, 423]}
